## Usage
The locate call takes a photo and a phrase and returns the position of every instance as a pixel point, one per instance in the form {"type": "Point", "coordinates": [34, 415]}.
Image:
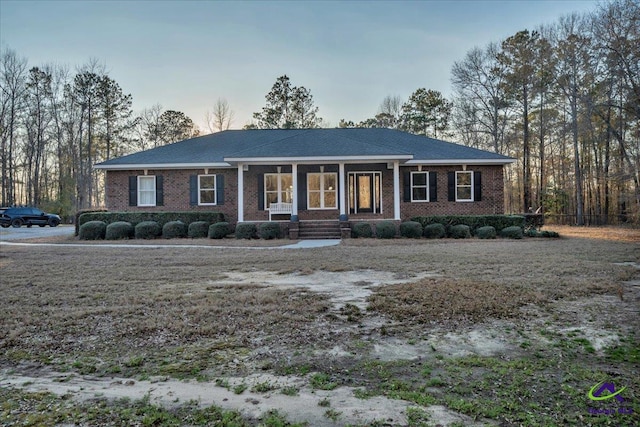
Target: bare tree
{"type": "Point", "coordinates": [13, 75]}
{"type": "Point", "coordinates": [221, 117]}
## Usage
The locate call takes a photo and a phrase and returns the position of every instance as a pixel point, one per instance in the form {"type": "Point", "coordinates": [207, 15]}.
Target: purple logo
{"type": "Point", "coordinates": [596, 392]}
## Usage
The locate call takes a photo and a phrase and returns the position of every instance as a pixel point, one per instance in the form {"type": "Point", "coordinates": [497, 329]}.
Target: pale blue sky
{"type": "Point", "coordinates": [186, 54]}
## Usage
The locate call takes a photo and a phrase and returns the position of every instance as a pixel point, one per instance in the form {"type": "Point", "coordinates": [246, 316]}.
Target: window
{"type": "Point", "coordinates": [147, 190]}
{"type": "Point", "coordinates": [278, 188]}
{"type": "Point", "coordinates": [207, 189]}
{"type": "Point", "coordinates": [464, 186]}
{"type": "Point", "coordinates": [419, 186]}
{"type": "Point", "coordinates": [321, 190]}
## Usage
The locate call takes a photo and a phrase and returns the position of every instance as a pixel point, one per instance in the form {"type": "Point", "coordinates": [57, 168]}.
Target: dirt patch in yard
{"type": "Point", "coordinates": [398, 332]}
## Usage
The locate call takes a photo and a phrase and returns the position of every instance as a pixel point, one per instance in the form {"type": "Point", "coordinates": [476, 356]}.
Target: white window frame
{"type": "Point", "coordinates": [280, 190]}
{"type": "Point", "coordinates": [470, 186]}
{"type": "Point", "coordinates": [214, 190]}
{"type": "Point", "coordinates": [322, 191]}
{"type": "Point", "coordinates": [426, 186]}
{"type": "Point", "coordinates": [140, 190]}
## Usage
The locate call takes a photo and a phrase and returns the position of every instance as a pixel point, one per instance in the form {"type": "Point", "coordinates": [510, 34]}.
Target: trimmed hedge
{"type": "Point", "coordinates": [174, 230]}
{"type": "Point", "coordinates": [486, 232]}
{"type": "Point", "coordinates": [246, 230]}
{"type": "Point", "coordinates": [219, 230]}
{"type": "Point", "coordinates": [270, 230]}
{"type": "Point", "coordinates": [434, 231]}
{"type": "Point", "coordinates": [81, 212]}
{"type": "Point", "coordinates": [147, 230]}
{"type": "Point", "coordinates": [512, 232]}
{"type": "Point", "coordinates": [361, 229]}
{"type": "Point", "coordinates": [460, 231]}
{"type": "Point", "coordinates": [385, 230]}
{"type": "Point", "coordinates": [473, 221]}
{"type": "Point", "coordinates": [542, 233]}
{"type": "Point", "coordinates": [198, 229]}
{"type": "Point", "coordinates": [93, 230]}
{"type": "Point", "coordinates": [160, 217]}
{"type": "Point", "coordinates": [119, 230]}
{"type": "Point", "coordinates": [411, 229]}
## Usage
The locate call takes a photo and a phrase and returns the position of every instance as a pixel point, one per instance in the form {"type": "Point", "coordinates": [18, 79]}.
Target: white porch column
{"type": "Point", "coordinates": [240, 192]}
{"type": "Point", "coordinates": [396, 190]}
{"type": "Point", "coordinates": [343, 192]}
{"type": "Point", "coordinates": [294, 196]}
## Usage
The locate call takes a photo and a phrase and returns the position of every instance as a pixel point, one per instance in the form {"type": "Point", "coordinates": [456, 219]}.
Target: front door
{"type": "Point", "coordinates": [364, 192]}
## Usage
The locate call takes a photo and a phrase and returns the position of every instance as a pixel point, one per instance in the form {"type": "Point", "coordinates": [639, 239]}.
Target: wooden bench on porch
{"type": "Point", "coordinates": [279, 209]}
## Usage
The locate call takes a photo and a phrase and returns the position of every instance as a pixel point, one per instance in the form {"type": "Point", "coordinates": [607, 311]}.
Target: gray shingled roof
{"type": "Point", "coordinates": [229, 147]}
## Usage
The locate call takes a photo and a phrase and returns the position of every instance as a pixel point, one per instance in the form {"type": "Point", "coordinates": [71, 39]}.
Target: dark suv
{"type": "Point", "coordinates": [17, 217]}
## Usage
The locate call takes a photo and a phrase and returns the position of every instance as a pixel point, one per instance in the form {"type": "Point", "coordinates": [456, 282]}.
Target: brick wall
{"type": "Point", "coordinates": [176, 192]}
{"type": "Point", "coordinates": [492, 194]}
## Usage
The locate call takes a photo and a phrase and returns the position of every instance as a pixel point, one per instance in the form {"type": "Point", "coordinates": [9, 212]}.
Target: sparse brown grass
{"type": "Point", "coordinates": [60, 303]}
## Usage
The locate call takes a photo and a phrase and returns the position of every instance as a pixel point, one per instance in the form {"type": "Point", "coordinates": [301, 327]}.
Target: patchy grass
{"type": "Point", "coordinates": [143, 312]}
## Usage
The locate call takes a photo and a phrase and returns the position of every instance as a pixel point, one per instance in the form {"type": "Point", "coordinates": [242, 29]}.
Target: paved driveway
{"type": "Point", "coordinates": [35, 232]}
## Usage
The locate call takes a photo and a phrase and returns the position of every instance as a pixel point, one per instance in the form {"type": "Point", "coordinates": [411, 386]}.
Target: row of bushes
{"type": "Point", "coordinates": [415, 230]}
{"type": "Point", "coordinates": [98, 230]}
{"type": "Point", "coordinates": [161, 218]}
{"type": "Point", "coordinates": [499, 222]}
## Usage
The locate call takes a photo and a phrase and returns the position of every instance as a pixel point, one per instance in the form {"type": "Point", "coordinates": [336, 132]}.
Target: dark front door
{"type": "Point", "coordinates": [364, 192]}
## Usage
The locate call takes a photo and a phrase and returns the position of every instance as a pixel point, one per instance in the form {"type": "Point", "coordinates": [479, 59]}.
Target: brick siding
{"type": "Point", "coordinates": [176, 192]}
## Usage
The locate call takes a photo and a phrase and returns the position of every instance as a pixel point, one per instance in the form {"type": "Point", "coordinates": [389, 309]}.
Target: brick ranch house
{"type": "Point", "coordinates": [309, 176]}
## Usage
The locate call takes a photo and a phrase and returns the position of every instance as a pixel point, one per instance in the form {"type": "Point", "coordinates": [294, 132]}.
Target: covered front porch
{"type": "Point", "coordinates": [319, 191]}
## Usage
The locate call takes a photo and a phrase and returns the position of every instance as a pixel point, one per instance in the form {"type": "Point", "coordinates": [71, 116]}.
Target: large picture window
{"type": "Point", "coordinates": [419, 186]}
{"type": "Point", "coordinates": [147, 190]}
{"type": "Point", "coordinates": [464, 186]}
{"type": "Point", "coordinates": [278, 188]}
{"type": "Point", "coordinates": [321, 190]}
{"type": "Point", "coordinates": [207, 190]}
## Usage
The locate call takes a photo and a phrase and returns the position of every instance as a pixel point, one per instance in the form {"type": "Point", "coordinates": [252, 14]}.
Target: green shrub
{"type": "Point", "coordinates": [246, 230]}
{"type": "Point", "coordinates": [270, 230]}
{"type": "Point", "coordinates": [160, 217]}
{"type": "Point", "coordinates": [385, 230]}
{"type": "Point", "coordinates": [473, 221]}
{"type": "Point", "coordinates": [82, 212]}
{"type": "Point", "coordinates": [486, 232]}
{"type": "Point", "coordinates": [198, 229]}
{"type": "Point", "coordinates": [147, 230]}
{"type": "Point", "coordinates": [512, 232]}
{"type": "Point", "coordinates": [460, 231]}
{"type": "Point", "coordinates": [411, 229]}
{"type": "Point", "coordinates": [434, 231]}
{"type": "Point", "coordinates": [93, 230]}
{"type": "Point", "coordinates": [219, 230]}
{"type": "Point", "coordinates": [119, 230]}
{"type": "Point", "coordinates": [361, 229]}
{"type": "Point", "coordinates": [174, 230]}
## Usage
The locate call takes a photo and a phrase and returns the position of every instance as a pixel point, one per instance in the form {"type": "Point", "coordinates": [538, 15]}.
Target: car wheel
{"type": "Point", "coordinates": [3, 225]}
{"type": "Point", "coordinates": [53, 222]}
{"type": "Point", "coordinates": [29, 225]}
{"type": "Point", "coordinates": [17, 222]}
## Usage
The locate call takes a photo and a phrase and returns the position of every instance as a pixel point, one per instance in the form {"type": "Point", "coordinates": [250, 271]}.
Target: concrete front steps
{"type": "Point", "coordinates": [319, 230]}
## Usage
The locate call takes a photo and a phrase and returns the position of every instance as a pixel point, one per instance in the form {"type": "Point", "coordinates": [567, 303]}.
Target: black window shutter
{"type": "Point", "coordinates": [302, 191]}
{"type": "Point", "coordinates": [477, 186]}
{"type": "Point", "coordinates": [451, 186]}
{"type": "Point", "coordinates": [159, 191]}
{"type": "Point", "coordinates": [406, 185]}
{"type": "Point", "coordinates": [133, 191]}
{"type": "Point", "coordinates": [193, 190]}
{"type": "Point", "coordinates": [433, 186]}
{"type": "Point", "coordinates": [220, 189]}
{"type": "Point", "coordinates": [261, 192]}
